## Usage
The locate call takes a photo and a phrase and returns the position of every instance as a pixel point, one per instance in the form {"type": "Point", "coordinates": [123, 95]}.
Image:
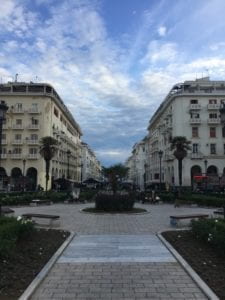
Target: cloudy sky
{"type": "Point", "coordinates": [112, 61]}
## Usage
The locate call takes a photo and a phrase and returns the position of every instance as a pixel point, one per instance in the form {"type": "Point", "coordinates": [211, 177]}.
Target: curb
{"type": "Point", "coordinates": [200, 283]}
{"type": "Point", "coordinates": [43, 273]}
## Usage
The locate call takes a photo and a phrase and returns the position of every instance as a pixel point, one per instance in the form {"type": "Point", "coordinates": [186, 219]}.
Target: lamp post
{"type": "Point", "coordinates": [3, 110]}
{"type": "Point", "coordinates": [206, 164]}
{"type": "Point", "coordinates": [222, 118]}
{"type": "Point", "coordinates": [160, 170]}
{"type": "Point", "coordinates": [68, 153]}
{"type": "Point", "coordinates": [24, 164]}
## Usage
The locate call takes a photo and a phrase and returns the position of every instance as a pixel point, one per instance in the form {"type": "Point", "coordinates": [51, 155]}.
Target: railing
{"type": "Point", "coordinates": [214, 121]}
{"type": "Point", "coordinates": [4, 142]}
{"type": "Point", "coordinates": [213, 106]}
{"type": "Point", "coordinates": [195, 106]}
{"type": "Point", "coordinates": [32, 142]}
{"type": "Point", "coordinates": [195, 121]}
{"type": "Point", "coordinates": [33, 156]}
{"type": "Point", "coordinates": [197, 155]}
{"type": "Point", "coordinates": [3, 156]}
{"type": "Point", "coordinates": [17, 126]}
{"type": "Point", "coordinates": [33, 111]}
{"type": "Point", "coordinates": [17, 110]}
{"type": "Point", "coordinates": [16, 156]}
{"type": "Point", "coordinates": [17, 142]}
{"type": "Point", "coordinates": [33, 126]}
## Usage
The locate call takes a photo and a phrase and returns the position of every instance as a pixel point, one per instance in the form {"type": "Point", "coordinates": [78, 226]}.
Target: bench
{"type": "Point", "coordinates": [37, 202]}
{"type": "Point", "coordinates": [219, 211]}
{"type": "Point", "coordinates": [175, 219]}
{"type": "Point", "coordinates": [52, 218]}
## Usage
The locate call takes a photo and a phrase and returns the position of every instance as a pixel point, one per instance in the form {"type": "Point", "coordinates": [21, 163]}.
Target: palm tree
{"type": "Point", "coordinates": [47, 151]}
{"type": "Point", "coordinates": [181, 145]}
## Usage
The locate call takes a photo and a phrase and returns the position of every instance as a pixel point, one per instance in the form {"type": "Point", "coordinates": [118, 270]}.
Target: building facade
{"type": "Point", "coordinates": [35, 110]}
{"type": "Point", "coordinates": [191, 109]}
{"type": "Point", "coordinates": [91, 167]}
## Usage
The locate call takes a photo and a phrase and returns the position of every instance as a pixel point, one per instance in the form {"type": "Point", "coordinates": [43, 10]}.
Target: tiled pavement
{"type": "Point", "coordinates": [116, 257]}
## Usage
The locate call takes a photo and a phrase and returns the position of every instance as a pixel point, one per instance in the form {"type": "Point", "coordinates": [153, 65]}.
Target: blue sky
{"type": "Point", "coordinates": [112, 61]}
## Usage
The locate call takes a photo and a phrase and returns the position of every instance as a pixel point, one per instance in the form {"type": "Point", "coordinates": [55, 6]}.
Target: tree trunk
{"type": "Point", "coordinates": [47, 162]}
{"type": "Point", "coordinates": [180, 171]}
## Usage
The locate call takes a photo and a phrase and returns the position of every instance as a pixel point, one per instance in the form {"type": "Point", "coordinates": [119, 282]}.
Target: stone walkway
{"type": "Point", "coordinates": [116, 257]}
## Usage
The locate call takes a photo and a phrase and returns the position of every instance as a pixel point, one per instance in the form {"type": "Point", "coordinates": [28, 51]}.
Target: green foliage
{"type": "Point", "coordinates": [115, 174]}
{"type": "Point", "coordinates": [114, 203]}
{"type": "Point", "coordinates": [11, 231]}
{"type": "Point", "coordinates": [211, 231]}
{"type": "Point", "coordinates": [87, 195]}
{"type": "Point", "coordinates": [167, 197]}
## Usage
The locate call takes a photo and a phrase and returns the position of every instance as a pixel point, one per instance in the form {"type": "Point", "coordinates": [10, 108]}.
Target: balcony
{"type": "Point", "coordinates": [33, 111]}
{"type": "Point", "coordinates": [32, 156]}
{"type": "Point", "coordinates": [4, 142]}
{"type": "Point", "coordinates": [17, 110]}
{"type": "Point", "coordinates": [4, 126]}
{"type": "Point", "coordinates": [195, 106]}
{"type": "Point", "coordinates": [214, 121]}
{"type": "Point", "coordinates": [17, 142]}
{"type": "Point", "coordinates": [197, 155]}
{"type": "Point", "coordinates": [32, 142]}
{"type": "Point", "coordinates": [195, 121]}
{"type": "Point", "coordinates": [3, 156]}
{"type": "Point", "coordinates": [213, 106]}
{"type": "Point", "coordinates": [17, 126]}
{"type": "Point", "coordinates": [33, 126]}
{"type": "Point", "coordinates": [16, 156]}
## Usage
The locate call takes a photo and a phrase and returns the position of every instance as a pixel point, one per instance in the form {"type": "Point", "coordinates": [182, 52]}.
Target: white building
{"type": "Point", "coordinates": [191, 109]}
{"type": "Point", "coordinates": [36, 110]}
{"type": "Point", "coordinates": [91, 167]}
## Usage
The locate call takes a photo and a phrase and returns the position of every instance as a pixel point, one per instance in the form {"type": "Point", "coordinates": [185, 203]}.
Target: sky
{"type": "Point", "coordinates": [112, 61]}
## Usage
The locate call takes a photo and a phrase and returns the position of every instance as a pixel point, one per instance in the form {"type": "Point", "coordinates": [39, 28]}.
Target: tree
{"type": "Point", "coordinates": [47, 151]}
{"type": "Point", "coordinates": [181, 145]}
{"type": "Point", "coordinates": [115, 174]}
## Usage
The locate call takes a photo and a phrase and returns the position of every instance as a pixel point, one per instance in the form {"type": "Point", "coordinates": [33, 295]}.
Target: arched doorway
{"type": "Point", "coordinates": [3, 179]}
{"type": "Point", "coordinates": [16, 181]}
{"type": "Point", "coordinates": [31, 179]}
{"type": "Point", "coordinates": [195, 171]}
{"type": "Point", "coordinates": [213, 178]}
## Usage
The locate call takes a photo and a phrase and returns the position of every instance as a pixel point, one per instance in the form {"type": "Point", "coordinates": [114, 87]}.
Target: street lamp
{"type": "Point", "coordinates": [24, 163]}
{"type": "Point", "coordinates": [205, 163]}
{"type": "Point", "coordinates": [3, 110]}
{"type": "Point", "coordinates": [160, 169]}
{"type": "Point", "coordinates": [68, 153]}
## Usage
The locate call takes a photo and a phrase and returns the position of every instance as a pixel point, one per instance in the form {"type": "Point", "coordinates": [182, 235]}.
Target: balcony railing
{"type": "Point", "coordinates": [17, 110]}
{"type": "Point", "coordinates": [17, 126]}
{"type": "Point", "coordinates": [4, 142]}
{"type": "Point", "coordinates": [33, 126]}
{"type": "Point", "coordinates": [197, 155]}
{"type": "Point", "coordinates": [33, 111]}
{"type": "Point", "coordinates": [213, 106]}
{"type": "Point", "coordinates": [195, 121]}
{"type": "Point", "coordinates": [3, 156]}
{"type": "Point", "coordinates": [214, 121]}
{"type": "Point", "coordinates": [16, 156]}
{"type": "Point", "coordinates": [32, 142]}
{"type": "Point", "coordinates": [33, 156]}
{"type": "Point", "coordinates": [17, 142]}
{"type": "Point", "coordinates": [195, 106]}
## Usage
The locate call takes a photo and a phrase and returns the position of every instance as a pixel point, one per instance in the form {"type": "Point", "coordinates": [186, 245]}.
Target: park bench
{"type": "Point", "coordinates": [175, 219]}
{"type": "Point", "coordinates": [37, 202]}
{"type": "Point", "coordinates": [219, 212]}
{"type": "Point", "coordinates": [52, 218]}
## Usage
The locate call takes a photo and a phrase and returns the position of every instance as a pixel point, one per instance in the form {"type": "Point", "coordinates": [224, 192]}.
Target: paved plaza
{"type": "Point", "coordinates": [116, 256]}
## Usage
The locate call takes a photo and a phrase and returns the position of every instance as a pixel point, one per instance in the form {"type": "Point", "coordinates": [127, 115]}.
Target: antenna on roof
{"type": "Point", "coordinates": [16, 76]}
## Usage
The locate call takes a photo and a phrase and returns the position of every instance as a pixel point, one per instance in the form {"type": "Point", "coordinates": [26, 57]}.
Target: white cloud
{"type": "Point", "coordinates": [162, 30]}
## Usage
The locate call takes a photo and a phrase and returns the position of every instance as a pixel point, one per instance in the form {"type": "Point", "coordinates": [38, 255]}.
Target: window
{"type": "Point", "coordinates": [34, 121]}
{"type": "Point", "coordinates": [194, 101]}
{"type": "Point", "coordinates": [17, 150]}
{"type": "Point", "coordinates": [223, 132]}
{"type": "Point", "coordinates": [3, 136]}
{"type": "Point", "coordinates": [212, 132]}
{"type": "Point", "coordinates": [212, 101]}
{"type": "Point", "coordinates": [33, 137]}
{"type": "Point", "coordinates": [33, 151]}
{"type": "Point", "coordinates": [213, 116]}
{"type": "Point", "coordinates": [34, 107]}
{"type": "Point", "coordinates": [18, 121]}
{"type": "Point", "coordinates": [56, 112]}
{"type": "Point", "coordinates": [195, 148]}
{"type": "Point", "coordinates": [195, 116]}
{"type": "Point", "coordinates": [194, 131]}
{"type": "Point", "coordinates": [212, 148]}
{"type": "Point", "coordinates": [19, 106]}
{"type": "Point", "coordinates": [18, 137]}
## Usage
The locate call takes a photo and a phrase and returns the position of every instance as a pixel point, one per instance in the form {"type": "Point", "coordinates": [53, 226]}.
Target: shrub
{"type": "Point", "coordinates": [211, 231]}
{"type": "Point", "coordinates": [114, 203]}
{"type": "Point", "coordinates": [11, 231]}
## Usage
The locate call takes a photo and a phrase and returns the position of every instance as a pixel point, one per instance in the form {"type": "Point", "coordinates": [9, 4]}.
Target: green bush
{"type": "Point", "coordinates": [87, 194]}
{"type": "Point", "coordinates": [11, 231]}
{"type": "Point", "coordinates": [114, 203]}
{"type": "Point", "coordinates": [211, 231]}
{"type": "Point", "coordinates": [167, 197]}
